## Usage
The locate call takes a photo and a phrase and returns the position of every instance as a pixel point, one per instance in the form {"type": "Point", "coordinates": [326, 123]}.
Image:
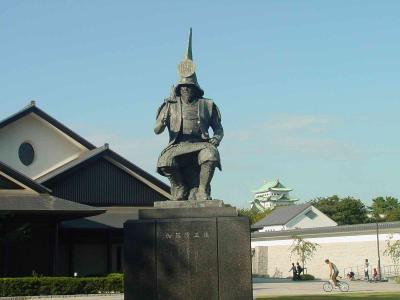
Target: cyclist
{"type": "Point", "coordinates": [333, 272]}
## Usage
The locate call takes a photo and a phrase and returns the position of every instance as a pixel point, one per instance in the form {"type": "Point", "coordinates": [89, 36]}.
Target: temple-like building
{"type": "Point", "coordinates": [271, 194]}
{"type": "Point", "coordinates": [63, 200]}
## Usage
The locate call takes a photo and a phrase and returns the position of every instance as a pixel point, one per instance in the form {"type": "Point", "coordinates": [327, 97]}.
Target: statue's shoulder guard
{"type": "Point", "coordinates": [210, 106]}
{"type": "Point", "coordinates": [165, 103]}
{"type": "Point", "coordinates": [160, 108]}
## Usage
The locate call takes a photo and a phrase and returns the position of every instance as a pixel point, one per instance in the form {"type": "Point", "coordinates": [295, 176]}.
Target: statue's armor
{"type": "Point", "coordinates": [190, 131]}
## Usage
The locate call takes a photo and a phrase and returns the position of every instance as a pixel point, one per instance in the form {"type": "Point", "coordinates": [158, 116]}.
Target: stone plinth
{"type": "Point", "coordinates": [188, 254]}
{"type": "Point", "coordinates": [189, 204]}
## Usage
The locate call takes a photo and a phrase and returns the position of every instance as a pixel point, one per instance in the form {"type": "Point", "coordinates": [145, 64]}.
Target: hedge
{"type": "Point", "coordinates": [307, 277]}
{"type": "Point", "coordinates": [35, 286]}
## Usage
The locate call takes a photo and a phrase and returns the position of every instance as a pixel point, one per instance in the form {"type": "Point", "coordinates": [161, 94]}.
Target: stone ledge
{"type": "Point", "coordinates": [189, 204]}
{"type": "Point", "coordinates": [192, 212]}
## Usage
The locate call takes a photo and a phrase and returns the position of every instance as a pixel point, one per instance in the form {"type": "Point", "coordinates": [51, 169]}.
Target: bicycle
{"type": "Point", "coordinates": [328, 286]}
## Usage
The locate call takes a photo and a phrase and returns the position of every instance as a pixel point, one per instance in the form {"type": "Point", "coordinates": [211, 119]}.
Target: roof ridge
{"type": "Point", "coordinates": [24, 179]}
{"type": "Point", "coordinates": [82, 158]}
{"type": "Point", "coordinates": [33, 108]}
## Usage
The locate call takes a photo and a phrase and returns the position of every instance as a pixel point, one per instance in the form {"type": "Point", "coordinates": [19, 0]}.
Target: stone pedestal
{"type": "Point", "coordinates": [188, 254]}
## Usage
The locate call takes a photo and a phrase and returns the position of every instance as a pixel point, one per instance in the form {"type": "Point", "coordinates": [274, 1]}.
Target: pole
{"type": "Point", "coordinates": [379, 255]}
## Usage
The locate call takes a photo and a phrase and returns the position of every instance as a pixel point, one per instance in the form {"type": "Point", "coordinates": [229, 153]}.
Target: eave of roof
{"type": "Point", "coordinates": [44, 204]}
{"type": "Point", "coordinates": [328, 230]}
{"type": "Point", "coordinates": [270, 185]}
{"type": "Point", "coordinates": [106, 152]}
{"type": "Point", "coordinates": [32, 108]}
{"type": "Point", "coordinates": [113, 218]}
{"type": "Point", "coordinates": [37, 187]}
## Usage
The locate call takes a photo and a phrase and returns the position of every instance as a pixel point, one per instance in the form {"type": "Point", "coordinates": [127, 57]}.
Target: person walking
{"type": "Point", "coordinates": [299, 270]}
{"type": "Point", "coordinates": [294, 271]}
{"type": "Point", "coordinates": [366, 267]}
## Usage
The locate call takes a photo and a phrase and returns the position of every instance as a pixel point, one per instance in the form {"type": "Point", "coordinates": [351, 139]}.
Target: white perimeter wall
{"type": "Point", "coordinates": [273, 257]}
{"type": "Point", "coordinates": [52, 147]}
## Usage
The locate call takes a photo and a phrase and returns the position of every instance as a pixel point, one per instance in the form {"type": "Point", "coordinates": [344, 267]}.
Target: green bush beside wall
{"type": "Point", "coordinates": [34, 286]}
{"type": "Point", "coordinates": [307, 277]}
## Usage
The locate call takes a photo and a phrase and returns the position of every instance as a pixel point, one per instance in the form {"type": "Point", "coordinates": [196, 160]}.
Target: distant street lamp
{"type": "Point", "coordinates": [377, 218]}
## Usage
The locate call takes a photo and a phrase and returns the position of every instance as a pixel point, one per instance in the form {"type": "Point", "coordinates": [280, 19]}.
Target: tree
{"type": "Point", "coordinates": [393, 250]}
{"type": "Point", "coordinates": [388, 206]}
{"type": "Point", "coordinates": [254, 215]}
{"type": "Point", "coordinates": [346, 210]}
{"type": "Point", "coordinates": [304, 250]}
{"type": "Point", "coordinates": [351, 211]}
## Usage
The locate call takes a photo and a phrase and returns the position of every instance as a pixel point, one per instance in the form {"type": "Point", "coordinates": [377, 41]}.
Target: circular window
{"type": "Point", "coordinates": [26, 153]}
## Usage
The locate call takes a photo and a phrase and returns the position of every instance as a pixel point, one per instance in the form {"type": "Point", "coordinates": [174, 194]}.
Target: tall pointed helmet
{"type": "Point", "coordinates": [187, 70]}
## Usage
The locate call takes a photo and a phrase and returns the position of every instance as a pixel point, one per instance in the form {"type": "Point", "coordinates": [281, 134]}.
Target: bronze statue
{"type": "Point", "coordinates": [191, 156]}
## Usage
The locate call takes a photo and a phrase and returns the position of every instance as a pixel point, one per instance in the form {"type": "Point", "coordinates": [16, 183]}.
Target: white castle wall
{"type": "Point", "coordinates": [344, 251]}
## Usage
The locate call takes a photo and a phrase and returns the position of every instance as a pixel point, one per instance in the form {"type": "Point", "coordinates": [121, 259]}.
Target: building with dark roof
{"type": "Point", "coordinates": [293, 216]}
{"type": "Point", "coordinates": [69, 198]}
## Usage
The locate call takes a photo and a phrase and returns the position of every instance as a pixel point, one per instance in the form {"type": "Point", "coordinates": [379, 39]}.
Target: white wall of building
{"type": "Point", "coordinates": [344, 251]}
{"type": "Point", "coordinates": [52, 147]}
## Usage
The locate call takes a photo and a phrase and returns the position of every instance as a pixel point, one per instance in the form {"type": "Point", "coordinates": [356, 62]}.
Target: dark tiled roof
{"type": "Point", "coordinates": [107, 153]}
{"type": "Point", "coordinates": [32, 108]}
{"type": "Point", "coordinates": [44, 204]}
{"type": "Point", "coordinates": [281, 215]}
{"type": "Point", "coordinates": [37, 187]}
{"type": "Point", "coordinates": [86, 157]}
{"type": "Point", "coordinates": [113, 218]}
{"type": "Point", "coordinates": [330, 230]}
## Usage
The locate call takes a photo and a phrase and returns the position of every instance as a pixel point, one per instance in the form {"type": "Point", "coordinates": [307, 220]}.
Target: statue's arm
{"type": "Point", "coordinates": [162, 118]}
{"type": "Point", "coordinates": [216, 125]}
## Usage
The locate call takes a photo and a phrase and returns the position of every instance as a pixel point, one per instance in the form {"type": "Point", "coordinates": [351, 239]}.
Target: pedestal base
{"type": "Point", "coordinates": [188, 257]}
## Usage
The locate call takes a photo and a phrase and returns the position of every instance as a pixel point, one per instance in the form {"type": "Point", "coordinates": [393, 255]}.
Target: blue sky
{"type": "Point", "coordinates": [308, 90]}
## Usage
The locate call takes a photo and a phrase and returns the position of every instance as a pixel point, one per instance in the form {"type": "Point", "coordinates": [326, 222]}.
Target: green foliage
{"type": "Point", "coordinates": [307, 277]}
{"type": "Point", "coordinates": [304, 250]}
{"type": "Point", "coordinates": [346, 210]}
{"type": "Point", "coordinates": [388, 206]}
{"type": "Point", "coordinates": [34, 286]}
{"type": "Point", "coordinates": [254, 215]}
{"type": "Point", "coordinates": [393, 250]}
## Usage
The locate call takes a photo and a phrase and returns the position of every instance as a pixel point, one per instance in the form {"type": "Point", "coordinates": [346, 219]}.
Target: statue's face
{"type": "Point", "coordinates": [188, 92]}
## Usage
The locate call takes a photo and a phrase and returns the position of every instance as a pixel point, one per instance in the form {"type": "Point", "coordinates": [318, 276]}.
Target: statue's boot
{"type": "Point", "coordinates": [177, 186]}
{"type": "Point", "coordinates": [206, 174]}
{"type": "Point", "coordinates": [178, 189]}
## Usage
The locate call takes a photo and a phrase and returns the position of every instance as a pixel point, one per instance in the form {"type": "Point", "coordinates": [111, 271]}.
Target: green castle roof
{"type": "Point", "coordinates": [274, 185]}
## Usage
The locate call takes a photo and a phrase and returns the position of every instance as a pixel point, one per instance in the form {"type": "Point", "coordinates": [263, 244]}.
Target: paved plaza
{"type": "Point", "coordinates": [275, 288]}
{"type": "Point", "coordinates": [287, 287]}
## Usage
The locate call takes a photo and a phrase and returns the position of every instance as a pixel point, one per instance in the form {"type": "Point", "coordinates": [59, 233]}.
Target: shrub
{"type": "Point", "coordinates": [307, 277]}
{"type": "Point", "coordinates": [34, 286]}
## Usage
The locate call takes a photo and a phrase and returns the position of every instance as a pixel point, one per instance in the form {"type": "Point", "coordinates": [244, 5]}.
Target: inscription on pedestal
{"type": "Point", "coordinates": [188, 259]}
{"type": "Point", "coordinates": [185, 249]}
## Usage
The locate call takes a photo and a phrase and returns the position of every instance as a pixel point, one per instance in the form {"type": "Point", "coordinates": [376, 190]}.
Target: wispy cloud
{"type": "Point", "coordinates": [298, 134]}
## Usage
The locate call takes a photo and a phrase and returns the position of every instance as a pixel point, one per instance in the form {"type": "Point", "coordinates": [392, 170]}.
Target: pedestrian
{"type": "Point", "coordinates": [375, 275]}
{"type": "Point", "coordinates": [366, 267]}
{"type": "Point", "coordinates": [294, 270]}
{"type": "Point", "coordinates": [299, 270]}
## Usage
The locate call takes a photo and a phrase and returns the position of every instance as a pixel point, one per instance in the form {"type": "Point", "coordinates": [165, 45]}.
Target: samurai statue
{"type": "Point", "coordinates": [190, 158]}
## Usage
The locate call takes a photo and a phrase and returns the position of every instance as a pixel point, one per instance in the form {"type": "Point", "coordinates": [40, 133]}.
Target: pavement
{"type": "Point", "coordinates": [262, 287]}
{"type": "Point", "coordinates": [282, 287]}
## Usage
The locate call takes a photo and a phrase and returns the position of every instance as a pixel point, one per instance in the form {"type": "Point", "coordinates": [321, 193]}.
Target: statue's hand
{"type": "Point", "coordinates": [214, 142]}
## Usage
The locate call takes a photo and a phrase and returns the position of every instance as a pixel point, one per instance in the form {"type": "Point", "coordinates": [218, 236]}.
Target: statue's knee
{"type": "Point", "coordinates": [208, 155]}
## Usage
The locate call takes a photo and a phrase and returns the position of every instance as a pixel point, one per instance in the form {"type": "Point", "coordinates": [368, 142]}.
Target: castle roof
{"type": "Point", "coordinates": [274, 185]}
